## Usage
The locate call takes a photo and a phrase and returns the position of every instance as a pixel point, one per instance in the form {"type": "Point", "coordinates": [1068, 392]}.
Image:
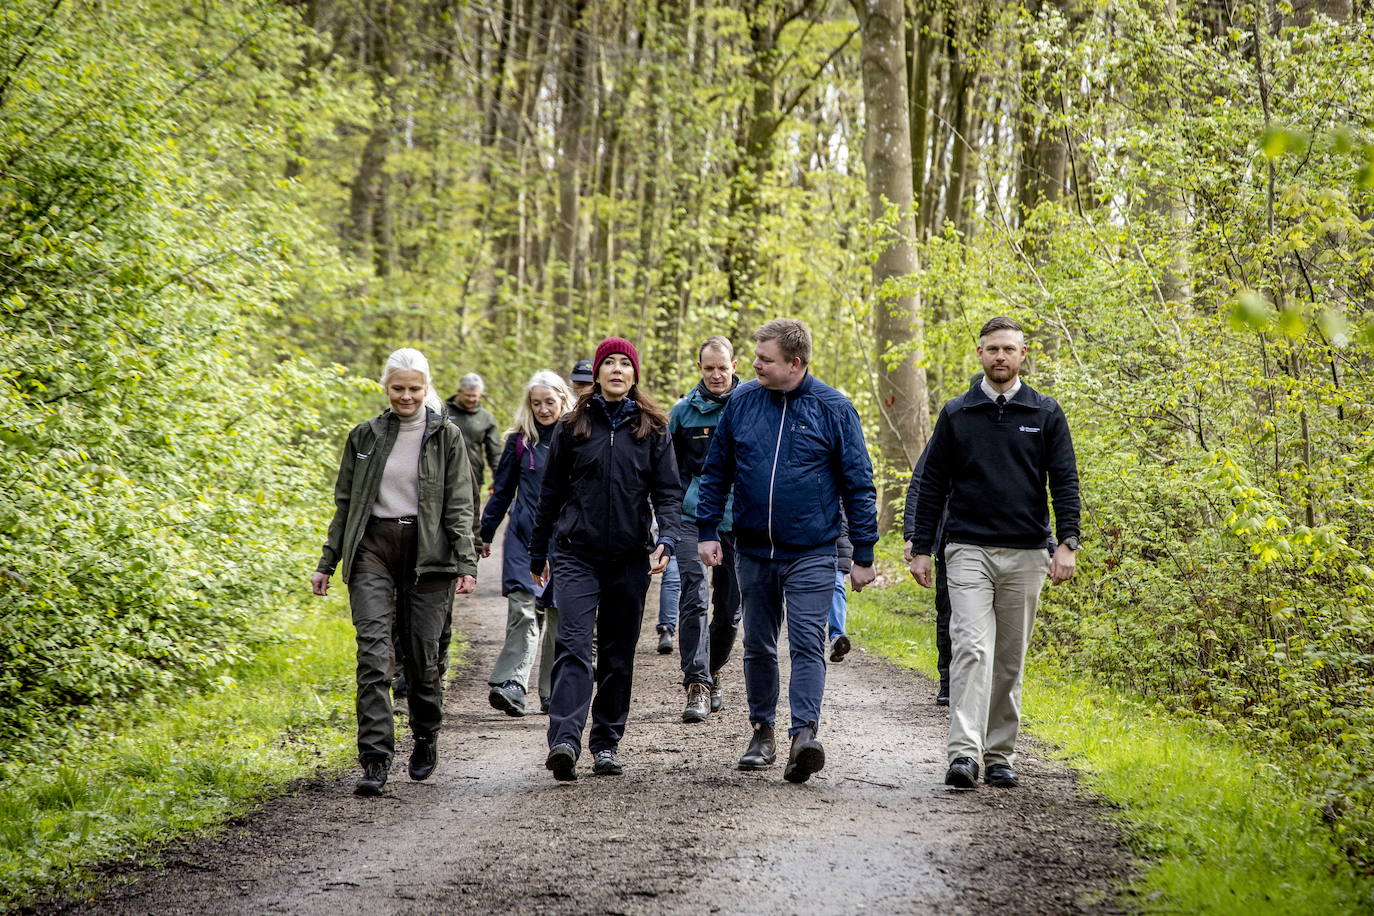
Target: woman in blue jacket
{"type": "Point", "coordinates": [611, 470]}
{"type": "Point", "coordinates": [519, 476]}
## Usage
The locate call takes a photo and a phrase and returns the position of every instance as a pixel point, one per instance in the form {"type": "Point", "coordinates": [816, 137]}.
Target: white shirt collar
{"type": "Point", "coordinates": [992, 392]}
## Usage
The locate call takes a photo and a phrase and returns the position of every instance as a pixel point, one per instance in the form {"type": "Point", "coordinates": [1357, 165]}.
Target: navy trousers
{"type": "Point", "coordinates": [601, 599]}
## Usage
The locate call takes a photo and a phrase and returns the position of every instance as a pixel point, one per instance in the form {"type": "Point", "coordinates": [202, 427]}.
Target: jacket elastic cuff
{"type": "Point", "coordinates": [863, 554]}
{"type": "Point", "coordinates": [325, 568]}
{"type": "Point", "coordinates": [707, 531]}
{"type": "Point", "coordinates": [668, 545]}
{"type": "Point", "coordinates": [537, 565]}
{"type": "Point", "coordinates": [486, 536]}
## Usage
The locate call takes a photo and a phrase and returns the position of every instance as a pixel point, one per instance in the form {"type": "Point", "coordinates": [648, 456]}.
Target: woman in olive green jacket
{"type": "Point", "coordinates": [402, 531]}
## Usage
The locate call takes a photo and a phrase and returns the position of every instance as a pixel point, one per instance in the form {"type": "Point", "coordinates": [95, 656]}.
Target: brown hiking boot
{"type": "Point", "coordinates": [698, 703]}
{"type": "Point", "coordinates": [717, 694]}
{"type": "Point", "coordinates": [762, 750]}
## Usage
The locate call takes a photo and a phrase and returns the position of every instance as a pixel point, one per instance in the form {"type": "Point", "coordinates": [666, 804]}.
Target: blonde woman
{"type": "Point", "coordinates": [402, 531]}
{"type": "Point", "coordinates": [519, 476]}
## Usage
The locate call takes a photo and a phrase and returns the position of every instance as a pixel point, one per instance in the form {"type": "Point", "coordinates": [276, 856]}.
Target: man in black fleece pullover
{"type": "Point", "coordinates": [994, 451]}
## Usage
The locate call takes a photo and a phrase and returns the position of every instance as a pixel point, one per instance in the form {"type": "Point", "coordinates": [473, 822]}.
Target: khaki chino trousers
{"type": "Point", "coordinates": [993, 593]}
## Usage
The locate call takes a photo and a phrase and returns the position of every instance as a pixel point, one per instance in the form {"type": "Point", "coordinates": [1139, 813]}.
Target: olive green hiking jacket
{"type": "Point", "coordinates": [444, 525]}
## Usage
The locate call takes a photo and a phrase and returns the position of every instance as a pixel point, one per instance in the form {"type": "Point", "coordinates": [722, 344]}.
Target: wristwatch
{"type": "Point", "coordinates": [1071, 542]}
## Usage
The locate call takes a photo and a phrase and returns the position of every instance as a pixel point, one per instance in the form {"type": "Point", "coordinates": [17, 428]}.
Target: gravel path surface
{"type": "Point", "coordinates": [681, 832]}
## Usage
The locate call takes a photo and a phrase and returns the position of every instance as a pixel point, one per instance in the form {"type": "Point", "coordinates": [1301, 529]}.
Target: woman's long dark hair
{"type": "Point", "coordinates": [651, 418]}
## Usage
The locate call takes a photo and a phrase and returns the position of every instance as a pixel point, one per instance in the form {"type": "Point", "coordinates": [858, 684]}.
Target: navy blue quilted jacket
{"type": "Point", "coordinates": [792, 458]}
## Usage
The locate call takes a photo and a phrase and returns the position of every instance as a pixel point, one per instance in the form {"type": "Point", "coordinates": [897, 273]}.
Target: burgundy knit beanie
{"type": "Point", "coordinates": [612, 345]}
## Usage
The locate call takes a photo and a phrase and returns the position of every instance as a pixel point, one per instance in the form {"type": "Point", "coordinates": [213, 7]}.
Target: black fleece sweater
{"type": "Point", "coordinates": [993, 465]}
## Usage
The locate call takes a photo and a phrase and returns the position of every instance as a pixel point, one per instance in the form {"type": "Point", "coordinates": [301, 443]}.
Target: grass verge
{"type": "Point", "coordinates": [185, 766]}
{"type": "Point", "coordinates": [1224, 830]}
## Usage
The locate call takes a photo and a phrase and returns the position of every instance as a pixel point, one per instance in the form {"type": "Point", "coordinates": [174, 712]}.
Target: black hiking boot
{"type": "Point", "coordinates": [762, 750]}
{"type": "Point", "coordinates": [665, 641]}
{"type": "Point", "coordinates": [373, 778]}
{"type": "Point", "coordinates": [508, 697]}
{"type": "Point", "coordinates": [840, 648]}
{"type": "Point", "coordinates": [807, 756]}
{"type": "Point", "coordinates": [562, 762]}
{"type": "Point", "coordinates": [606, 763]}
{"type": "Point", "coordinates": [424, 757]}
{"type": "Point", "coordinates": [1002, 776]}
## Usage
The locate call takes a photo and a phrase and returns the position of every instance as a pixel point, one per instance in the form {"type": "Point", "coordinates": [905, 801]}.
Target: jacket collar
{"type": "Point", "coordinates": [706, 402]}
{"type": "Point", "coordinates": [625, 414]}
{"type": "Point", "coordinates": [804, 386]}
{"type": "Point", "coordinates": [975, 397]}
{"type": "Point", "coordinates": [433, 421]}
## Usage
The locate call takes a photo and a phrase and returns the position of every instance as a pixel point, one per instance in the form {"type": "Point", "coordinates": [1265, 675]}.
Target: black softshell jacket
{"type": "Point", "coordinates": [600, 494]}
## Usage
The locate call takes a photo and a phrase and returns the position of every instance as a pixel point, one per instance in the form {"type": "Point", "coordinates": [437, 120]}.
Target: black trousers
{"type": "Point", "coordinates": [599, 600]}
{"type": "Point", "coordinates": [943, 650]}
{"type": "Point", "coordinates": [388, 603]}
{"type": "Point", "coordinates": [726, 607]}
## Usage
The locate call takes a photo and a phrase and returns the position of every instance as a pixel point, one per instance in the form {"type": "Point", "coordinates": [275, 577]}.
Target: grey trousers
{"type": "Point", "coordinates": [384, 595]}
{"type": "Point", "coordinates": [522, 639]}
{"type": "Point", "coordinates": [993, 594]}
{"type": "Point", "coordinates": [546, 653]}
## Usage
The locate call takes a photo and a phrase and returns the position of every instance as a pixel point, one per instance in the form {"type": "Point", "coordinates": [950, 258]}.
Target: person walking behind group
{"type": "Point", "coordinates": [839, 601]}
{"type": "Point", "coordinates": [582, 380]}
{"type": "Point", "coordinates": [402, 531]}
{"type": "Point", "coordinates": [994, 449]}
{"type": "Point", "coordinates": [669, 594]}
{"type": "Point", "coordinates": [479, 432]}
{"type": "Point", "coordinates": [519, 477]}
{"type": "Point", "coordinates": [704, 651]}
{"type": "Point", "coordinates": [793, 450]}
{"type": "Point", "coordinates": [611, 470]}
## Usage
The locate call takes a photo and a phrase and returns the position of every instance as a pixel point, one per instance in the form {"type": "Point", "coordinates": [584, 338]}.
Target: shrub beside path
{"type": "Point", "coordinates": [681, 832]}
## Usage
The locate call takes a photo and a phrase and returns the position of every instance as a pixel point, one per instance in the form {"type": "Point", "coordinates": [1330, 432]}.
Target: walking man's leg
{"type": "Point", "coordinates": [694, 641]}
{"type": "Point", "coordinates": [761, 593]}
{"type": "Point", "coordinates": [1021, 575]}
{"type": "Point", "coordinates": [942, 644]}
{"type": "Point", "coordinates": [509, 680]}
{"type": "Point", "coordinates": [809, 587]}
{"type": "Point", "coordinates": [972, 627]}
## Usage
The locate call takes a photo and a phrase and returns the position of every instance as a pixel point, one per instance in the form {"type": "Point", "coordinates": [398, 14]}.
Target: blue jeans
{"type": "Point", "coordinates": [668, 590]}
{"type": "Point", "coordinates": [804, 588]}
{"type": "Point", "coordinates": [694, 639]}
{"type": "Point", "coordinates": [839, 608]}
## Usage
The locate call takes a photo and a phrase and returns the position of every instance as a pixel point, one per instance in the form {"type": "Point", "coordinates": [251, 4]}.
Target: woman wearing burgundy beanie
{"type": "Point", "coordinates": [610, 470]}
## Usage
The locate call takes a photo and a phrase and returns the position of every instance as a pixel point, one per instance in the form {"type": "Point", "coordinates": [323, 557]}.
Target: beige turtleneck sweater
{"type": "Point", "coordinates": [400, 492]}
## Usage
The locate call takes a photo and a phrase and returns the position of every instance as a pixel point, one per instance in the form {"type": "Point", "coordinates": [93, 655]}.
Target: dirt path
{"type": "Point", "coordinates": [681, 832]}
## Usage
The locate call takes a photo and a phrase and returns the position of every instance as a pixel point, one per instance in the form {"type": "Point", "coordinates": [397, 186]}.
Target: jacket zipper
{"type": "Point", "coordinates": [772, 479]}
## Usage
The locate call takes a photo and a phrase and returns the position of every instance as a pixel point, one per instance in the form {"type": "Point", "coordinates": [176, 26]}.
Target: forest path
{"type": "Point", "coordinates": [682, 831]}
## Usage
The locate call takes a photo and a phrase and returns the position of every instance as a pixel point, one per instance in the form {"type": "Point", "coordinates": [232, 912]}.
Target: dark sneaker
{"type": "Point", "coordinates": [562, 762]}
{"type": "Point", "coordinates": [424, 756]}
{"type": "Point", "coordinates": [698, 703]}
{"type": "Point", "coordinates": [606, 763]}
{"type": "Point", "coordinates": [840, 648]}
{"type": "Point", "coordinates": [1002, 776]}
{"type": "Point", "coordinates": [544, 705]}
{"type": "Point", "coordinates": [665, 642]}
{"type": "Point", "coordinates": [717, 695]}
{"type": "Point", "coordinates": [942, 695]}
{"type": "Point", "coordinates": [373, 778]}
{"type": "Point", "coordinates": [962, 773]}
{"type": "Point", "coordinates": [762, 750]}
{"type": "Point", "coordinates": [807, 756]}
{"type": "Point", "coordinates": [398, 688]}
{"type": "Point", "coordinates": [508, 697]}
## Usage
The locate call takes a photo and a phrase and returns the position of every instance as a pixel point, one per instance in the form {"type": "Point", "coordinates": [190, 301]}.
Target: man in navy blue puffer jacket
{"type": "Point", "coordinates": [793, 450]}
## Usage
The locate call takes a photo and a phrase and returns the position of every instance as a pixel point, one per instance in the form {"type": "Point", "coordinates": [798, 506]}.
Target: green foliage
{"type": "Point", "coordinates": [157, 467]}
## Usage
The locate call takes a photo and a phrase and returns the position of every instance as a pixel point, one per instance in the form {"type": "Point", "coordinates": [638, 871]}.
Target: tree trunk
{"type": "Point", "coordinates": [904, 421]}
{"type": "Point", "coordinates": [574, 90]}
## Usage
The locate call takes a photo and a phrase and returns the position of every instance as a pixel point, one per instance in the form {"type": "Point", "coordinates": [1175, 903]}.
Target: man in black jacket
{"type": "Point", "coordinates": [993, 450]}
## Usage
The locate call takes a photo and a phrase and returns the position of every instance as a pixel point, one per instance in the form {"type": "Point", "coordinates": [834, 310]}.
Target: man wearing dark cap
{"type": "Point", "coordinates": [994, 450]}
{"type": "Point", "coordinates": [581, 379]}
